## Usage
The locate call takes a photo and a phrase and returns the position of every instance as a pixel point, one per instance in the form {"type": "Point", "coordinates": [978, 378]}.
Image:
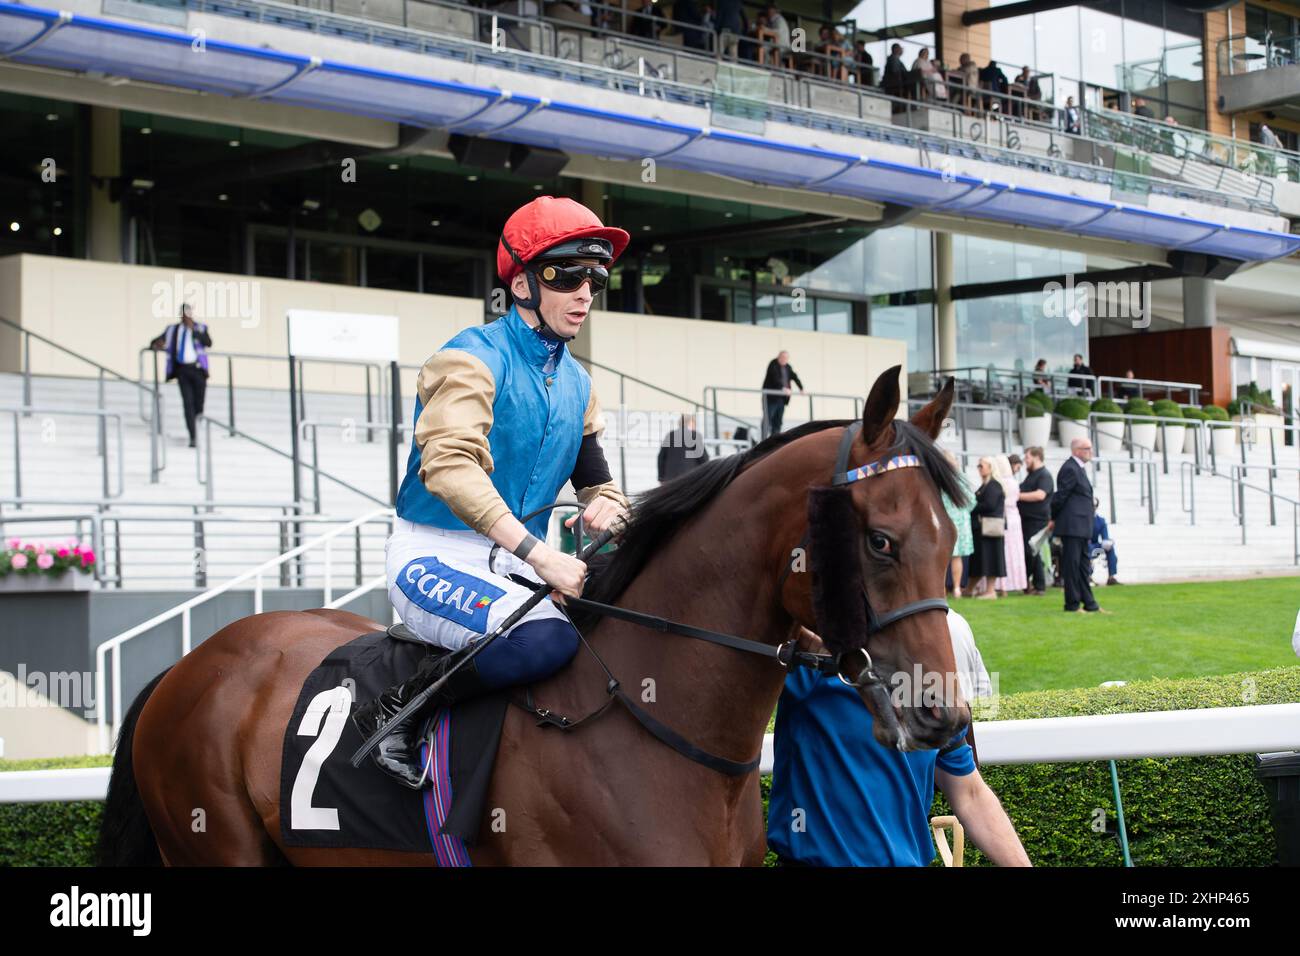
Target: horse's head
{"type": "Point", "coordinates": [880, 542]}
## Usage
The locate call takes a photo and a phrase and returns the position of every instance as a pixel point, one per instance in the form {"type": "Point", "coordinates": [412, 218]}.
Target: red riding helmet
{"type": "Point", "coordinates": [547, 222]}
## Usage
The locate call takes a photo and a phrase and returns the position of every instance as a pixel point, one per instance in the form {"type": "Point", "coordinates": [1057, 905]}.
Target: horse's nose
{"type": "Point", "coordinates": [935, 726]}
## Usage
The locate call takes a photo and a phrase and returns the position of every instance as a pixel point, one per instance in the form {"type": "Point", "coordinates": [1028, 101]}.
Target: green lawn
{"type": "Point", "coordinates": [1155, 630]}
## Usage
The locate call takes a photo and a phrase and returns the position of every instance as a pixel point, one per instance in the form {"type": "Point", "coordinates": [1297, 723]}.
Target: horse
{"type": "Point", "coordinates": [714, 548]}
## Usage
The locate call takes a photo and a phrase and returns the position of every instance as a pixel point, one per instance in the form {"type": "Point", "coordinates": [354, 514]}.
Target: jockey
{"type": "Point", "coordinates": [504, 416]}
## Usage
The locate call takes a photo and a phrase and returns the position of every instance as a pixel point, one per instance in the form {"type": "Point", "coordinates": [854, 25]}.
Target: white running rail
{"type": "Point", "coordinates": [183, 610]}
{"type": "Point", "coordinates": [1264, 728]}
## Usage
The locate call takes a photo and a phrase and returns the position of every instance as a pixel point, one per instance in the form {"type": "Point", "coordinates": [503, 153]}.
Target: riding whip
{"type": "Point", "coordinates": [423, 697]}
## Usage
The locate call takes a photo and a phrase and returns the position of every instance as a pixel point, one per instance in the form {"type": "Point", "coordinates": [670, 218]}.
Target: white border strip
{"type": "Point", "coordinates": [1213, 731]}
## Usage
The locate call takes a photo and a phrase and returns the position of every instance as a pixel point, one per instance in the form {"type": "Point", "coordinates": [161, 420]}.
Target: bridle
{"type": "Point", "coordinates": [865, 678]}
{"type": "Point", "coordinates": [866, 675]}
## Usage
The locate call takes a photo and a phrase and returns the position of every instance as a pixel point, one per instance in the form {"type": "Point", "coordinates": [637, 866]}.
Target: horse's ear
{"type": "Point", "coordinates": [930, 419]}
{"type": "Point", "coordinates": [882, 405]}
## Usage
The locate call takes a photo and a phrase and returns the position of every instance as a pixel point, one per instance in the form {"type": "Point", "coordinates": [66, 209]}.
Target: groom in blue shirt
{"type": "Point", "coordinates": [839, 798]}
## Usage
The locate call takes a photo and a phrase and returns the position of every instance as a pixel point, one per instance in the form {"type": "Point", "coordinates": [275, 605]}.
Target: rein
{"type": "Point", "coordinates": [787, 654]}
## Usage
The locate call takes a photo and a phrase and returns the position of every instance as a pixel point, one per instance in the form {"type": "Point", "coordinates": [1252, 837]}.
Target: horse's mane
{"type": "Point", "coordinates": [658, 514]}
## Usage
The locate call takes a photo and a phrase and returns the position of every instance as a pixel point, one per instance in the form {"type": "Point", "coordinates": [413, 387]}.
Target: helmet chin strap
{"type": "Point", "coordinates": [534, 301]}
{"type": "Point", "coordinates": [534, 304]}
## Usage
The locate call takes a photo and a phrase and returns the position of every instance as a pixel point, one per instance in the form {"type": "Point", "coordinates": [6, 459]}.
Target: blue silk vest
{"type": "Point", "coordinates": [537, 422]}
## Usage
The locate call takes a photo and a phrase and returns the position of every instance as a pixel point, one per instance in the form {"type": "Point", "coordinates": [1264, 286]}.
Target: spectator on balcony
{"type": "Point", "coordinates": [1071, 117]}
{"type": "Point", "coordinates": [579, 13]}
{"type": "Point", "coordinates": [773, 35]}
{"type": "Point", "coordinates": [928, 78]}
{"type": "Point", "coordinates": [895, 81]}
{"type": "Point", "coordinates": [730, 25]}
{"type": "Point", "coordinates": [1042, 379]}
{"type": "Point", "coordinates": [846, 52]}
{"type": "Point", "coordinates": [836, 56]}
{"type": "Point", "coordinates": [1027, 90]}
{"type": "Point", "coordinates": [864, 65]}
{"type": "Point", "coordinates": [682, 450]}
{"type": "Point", "coordinates": [645, 21]}
{"type": "Point", "coordinates": [968, 76]}
{"type": "Point", "coordinates": [1268, 138]}
{"type": "Point", "coordinates": [1140, 108]}
{"type": "Point", "coordinates": [994, 81]}
{"type": "Point", "coordinates": [708, 19]}
{"type": "Point", "coordinates": [1081, 376]}
{"type": "Point", "coordinates": [689, 23]}
{"type": "Point", "coordinates": [1129, 391]}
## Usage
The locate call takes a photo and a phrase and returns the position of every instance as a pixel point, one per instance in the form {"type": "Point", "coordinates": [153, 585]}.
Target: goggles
{"type": "Point", "coordinates": [567, 277]}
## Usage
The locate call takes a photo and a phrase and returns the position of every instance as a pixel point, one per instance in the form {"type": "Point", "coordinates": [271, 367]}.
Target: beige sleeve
{"type": "Point", "coordinates": [593, 423]}
{"type": "Point", "coordinates": [593, 419]}
{"type": "Point", "coordinates": [457, 390]}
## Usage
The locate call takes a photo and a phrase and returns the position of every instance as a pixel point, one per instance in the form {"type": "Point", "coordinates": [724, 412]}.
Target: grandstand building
{"type": "Point", "coordinates": [1129, 197]}
{"type": "Point", "coordinates": [376, 145]}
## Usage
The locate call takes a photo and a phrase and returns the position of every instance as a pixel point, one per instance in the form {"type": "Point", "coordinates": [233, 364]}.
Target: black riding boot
{"type": "Point", "coordinates": [398, 753]}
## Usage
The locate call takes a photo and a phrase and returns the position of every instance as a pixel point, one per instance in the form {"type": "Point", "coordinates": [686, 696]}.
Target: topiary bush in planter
{"type": "Point", "coordinates": [1193, 415]}
{"type": "Point", "coordinates": [1141, 434]}
{"type": "Point", "coordinates": [1167, 431]}
{"type": "Point", "coordinates": [1073, 412]}
{"type": "Point", "coordinates": [1110, 424]}
{"type": "Point", "coordinates": [1074, 408]}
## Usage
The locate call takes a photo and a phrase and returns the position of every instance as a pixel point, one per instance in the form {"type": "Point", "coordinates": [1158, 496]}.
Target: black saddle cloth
{"type": "Point", "coordinates": [326, 802]}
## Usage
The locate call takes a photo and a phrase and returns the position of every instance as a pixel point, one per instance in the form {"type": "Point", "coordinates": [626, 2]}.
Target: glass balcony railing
{"type": "Point", "coordinates": [1250, 165]}
{"type": "Point", "coordinates": [1243, 53]}
{"type": "Point", "coordinates": [1006, 126]}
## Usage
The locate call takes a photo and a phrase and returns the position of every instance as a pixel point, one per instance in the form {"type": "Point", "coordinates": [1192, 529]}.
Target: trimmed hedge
{"type": "Point", "coordinates": [1074, 408]}
{"type": "Point", "coordinates": [1041, 399]}
{"type": "Point", "coordinates": [1167, 408]}
{"type": "Point", "coordinates": [1107, 406]}
{"type": "Point", "coordinates": [50, 834]}
{"type": "Point", "coordinates": [1193, 414]}
{"type": "Point", "coordinates": [1138, 406]}
{"type": "Point", "coordinates": [1179, 811]}
{"type": "Point", "coordinates": [1215, 413]}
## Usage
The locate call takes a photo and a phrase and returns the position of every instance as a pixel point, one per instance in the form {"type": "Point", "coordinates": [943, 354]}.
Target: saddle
{"type": "Point", "coordinates": [326, 802]}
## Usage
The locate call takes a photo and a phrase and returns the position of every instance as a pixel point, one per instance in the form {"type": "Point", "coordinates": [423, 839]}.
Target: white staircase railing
{"type": "Point", "coordinates": [183, 611]}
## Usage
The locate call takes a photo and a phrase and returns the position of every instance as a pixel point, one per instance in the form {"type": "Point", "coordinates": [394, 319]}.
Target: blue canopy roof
{"type": "Point", "coordinates": [80, 43]}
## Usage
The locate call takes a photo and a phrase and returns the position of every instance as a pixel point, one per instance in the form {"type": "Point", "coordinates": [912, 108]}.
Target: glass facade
{"type": "Point", "coordinates": [1014, 331]}
{"type": "Point", "coordinates": [46, 185]}
{"type": "Point", "coordinates": [1144, 49]}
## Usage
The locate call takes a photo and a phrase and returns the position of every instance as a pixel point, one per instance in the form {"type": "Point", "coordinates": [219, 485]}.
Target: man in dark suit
{"type": "Point", "coordinates": [186, 344]}
{"type": "Point", "coordinates": [682, 450]}
{"type": "Point", "coordinates": [1072, 512]}
{"type": "Point", "coordinates": [778, 378]}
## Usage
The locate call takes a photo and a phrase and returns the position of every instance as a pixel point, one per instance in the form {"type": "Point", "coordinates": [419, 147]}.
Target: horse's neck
{"type": "Point", "coordinates": [719, 572]}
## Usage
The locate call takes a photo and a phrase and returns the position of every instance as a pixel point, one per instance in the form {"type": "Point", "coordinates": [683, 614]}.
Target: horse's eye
{"type": "Point", "coordinates": [879, 543]}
